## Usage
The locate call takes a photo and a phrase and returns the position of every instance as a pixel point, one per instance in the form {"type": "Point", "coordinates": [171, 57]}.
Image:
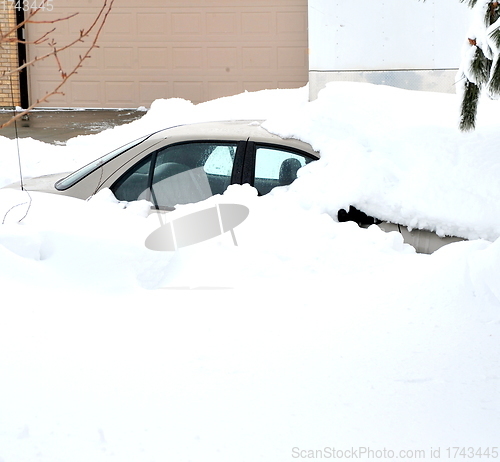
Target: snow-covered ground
{"type": "Point", "coordinates": [310, 336]}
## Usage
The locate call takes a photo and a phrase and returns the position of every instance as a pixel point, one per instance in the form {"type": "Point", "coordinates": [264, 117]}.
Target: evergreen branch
{"type": "Point", "coordinates": [468, 109]}
{"type": "Point", "coordinates": [495, 36]}
{"type": "Point", "coordinates": [494, 83]}
{"type": "Point", "coordinates": [487, 17]}
{"type": "Point", "coordinates": [471, 3]}
{"type": "Point", "coordinates": [480, 67]}
{"type": "Point", "coordinates": [492, 13]}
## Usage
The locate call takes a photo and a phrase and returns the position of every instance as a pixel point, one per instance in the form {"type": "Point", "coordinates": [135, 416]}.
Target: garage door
{"type": "Point", "coordinates": [193, 49]}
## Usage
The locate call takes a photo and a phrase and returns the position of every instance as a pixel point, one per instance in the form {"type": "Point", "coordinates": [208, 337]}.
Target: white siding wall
{"type": "Point", "coordinates": [360, 40]}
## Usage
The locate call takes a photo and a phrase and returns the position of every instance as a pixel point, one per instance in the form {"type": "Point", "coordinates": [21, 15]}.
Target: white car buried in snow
{"type": "Point", "coordinates": [200, 160]}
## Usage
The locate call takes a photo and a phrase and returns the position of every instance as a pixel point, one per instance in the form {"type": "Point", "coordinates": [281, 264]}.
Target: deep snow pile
{"type": "Point", "coordinates": [397, 155]}
{"type": "Point", "coordinates": [393, 153]}
{"type": "Point", "coordinates": [308, 336]}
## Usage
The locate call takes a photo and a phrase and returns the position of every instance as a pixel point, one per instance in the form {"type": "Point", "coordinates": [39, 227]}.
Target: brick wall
{"type": "Point", "coordinates": [8, 58]}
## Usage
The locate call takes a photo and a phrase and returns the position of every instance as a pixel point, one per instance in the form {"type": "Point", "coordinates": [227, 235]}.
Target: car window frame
{"type": "Point", "coordinates": [83, 172]}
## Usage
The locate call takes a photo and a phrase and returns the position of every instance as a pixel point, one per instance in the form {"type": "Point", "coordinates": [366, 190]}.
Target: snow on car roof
{"type": "Point", "coordinates": [232, 129]}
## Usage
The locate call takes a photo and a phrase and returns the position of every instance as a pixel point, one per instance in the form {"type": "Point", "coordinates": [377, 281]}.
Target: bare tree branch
{"type": "Point", "coordinates": [92, 32]}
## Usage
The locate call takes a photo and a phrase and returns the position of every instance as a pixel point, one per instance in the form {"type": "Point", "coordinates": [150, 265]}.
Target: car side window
{"type": "Point", "coordinates": [134, 183]}
{"type": "Point", "coordinates": [220, 161]}
{"type": "Point", "coordinates": [182, 173]}
{"type": "Point", "coordinates": [276, 167]}
{"type": "Point", "coordinates": [191, 172]}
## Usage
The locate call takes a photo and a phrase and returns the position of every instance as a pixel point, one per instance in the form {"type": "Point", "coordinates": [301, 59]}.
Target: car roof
{"type": "Point", "coordinates": [230, 130]}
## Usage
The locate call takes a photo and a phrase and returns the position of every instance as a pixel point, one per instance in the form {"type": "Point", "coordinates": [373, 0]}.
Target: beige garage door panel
{"type": "Point", "coordinates": [184, 49]}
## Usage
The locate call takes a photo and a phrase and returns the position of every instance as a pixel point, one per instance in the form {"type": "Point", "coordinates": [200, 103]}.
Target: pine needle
{"type": "Point", "coordinates": [495, 36]}
{"type": "Point", "coordinates": [494, 83]}
{"type": "Point", "coordinates": [469, 107]}
{"type": "Point", "coordinates": [480, 67]}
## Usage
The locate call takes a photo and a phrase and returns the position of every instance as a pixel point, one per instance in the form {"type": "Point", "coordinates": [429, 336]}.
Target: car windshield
{"type": "Point", "coordinates": [76, 176]}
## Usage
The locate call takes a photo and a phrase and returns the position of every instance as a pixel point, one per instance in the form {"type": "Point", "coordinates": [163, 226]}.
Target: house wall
{"type": "Point", "coordinates": [9, 85]}
{"type": "Point", "coordinates": [405, 43]}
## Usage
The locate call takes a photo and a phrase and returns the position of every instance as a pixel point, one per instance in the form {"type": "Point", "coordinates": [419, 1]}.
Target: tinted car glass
{"type": "Point", "coordinates": [182, 173]}
{"type": "Point", "coordinates": [191, 172]}
{"type": "Point", "coordinates": [134, 184]}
